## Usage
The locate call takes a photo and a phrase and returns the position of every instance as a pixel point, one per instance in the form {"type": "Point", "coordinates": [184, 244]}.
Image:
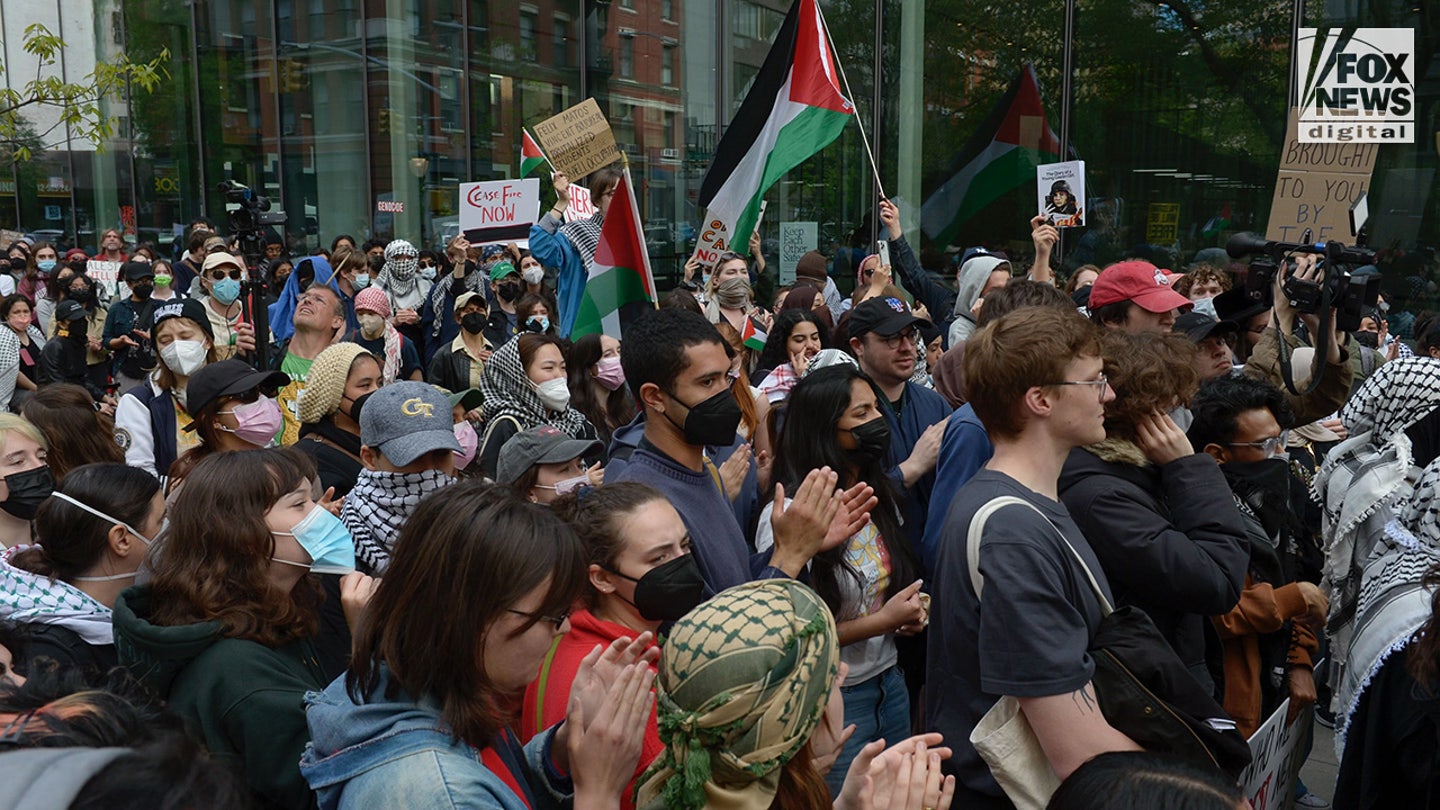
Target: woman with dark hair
{"type": "Point", "coordinates": [797, 337]}
{"type": "Point", "coordinates": [19, 317]}
{"type": "Point", "coordinates": [532, 313]}
{"type": "Point", "coordinates": [570, 246]}
{"type": "Point", "coordinates": [525, 385]}
{"type": "Point", "coordinates": [225, 629]}
{"type": "Point", "coordinates": [150, 418]}
{"type": "Point", "coordinates": [75, 431]}
{"type": "Point", "coordinates": [330, 417]}
{"type": "Point", "coordinates": [39, 267]}
{"type": "Point", "coordinates": [422, 718]}
{"type": "Point", "coordinates": [641, 575]}
{"type": "Point", "coordinates": [809, 298]}
{"type": "Point", "coordinates": [90, 537]}
{"type": "Point", "coordinates": [1159, 515]}
{"type": "Point", "coordinates": [597, 384]}
{"type": "Point", "coordinates": [1138, 780]}
{"type": "Point", "coordinates": [870, 583]}
{"type": "Point", "coordinates": [232, 408]}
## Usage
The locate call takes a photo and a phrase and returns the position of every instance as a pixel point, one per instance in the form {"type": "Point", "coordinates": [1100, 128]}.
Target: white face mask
{"type": "Point", "coordinates": [97, 513]}
{"type": "Point", "coordinates": [555, 394]}
{"type": "Point", "coordinates": [534, 274]}
{"type": "Point", "coordinates": [371, 326]}
{"type": "Point", "coordinates": [184, 357]}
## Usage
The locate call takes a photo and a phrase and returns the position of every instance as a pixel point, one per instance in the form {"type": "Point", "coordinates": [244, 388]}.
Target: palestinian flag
{"type": "Point", "coordinates": [530, 155]}
{"type": "Point", "coordinates": [620, 286]}
{"type": "Point", "coordinates": [752, 337]}
{"type": "Point", "coordinates": [793, 110]}
{"type": "Point", "coordinates": [1000, 157]}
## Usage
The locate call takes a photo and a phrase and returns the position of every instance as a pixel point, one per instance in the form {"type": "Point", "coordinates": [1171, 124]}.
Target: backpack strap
{"type": "Point", "coordinates": [977, 528]}
{"type": "Point", "coordinates": [490, 428]}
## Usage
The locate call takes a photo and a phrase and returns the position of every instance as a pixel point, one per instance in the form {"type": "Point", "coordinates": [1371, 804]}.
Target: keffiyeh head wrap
{"type": "Point", "coordinates": [402, 264]}
{"type": "Point", "coordinates": [743, 681]}
{"type": "Point", "coordinates": [509, 392]}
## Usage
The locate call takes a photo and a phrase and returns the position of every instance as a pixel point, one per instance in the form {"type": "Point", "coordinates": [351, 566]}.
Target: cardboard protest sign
{"type": "Point", "coordinates": [1060, 193]}
{"type": "Point", "coordinates": [714, 238]}
{"type": "Point", "coordinates": [796, 239]}
{"type": "Point", "coordinates": [578, 141]}
{"type": "Point", "coordinates": [1316, 185]}
{"type": "Point", "coordinates": [582, 206]}
{"type": "Point", "coordinates": [495, 211]}
{"type": "Point", "coordinates": [1277, 752]}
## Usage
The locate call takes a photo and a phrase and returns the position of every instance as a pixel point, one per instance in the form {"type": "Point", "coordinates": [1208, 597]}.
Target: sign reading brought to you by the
{"type": "Point", "coordinates": [1315, 187]}
{"type": "Point", "coordinates": [499, 210]}
{"type": "Point", "coordinates": [578, 141]}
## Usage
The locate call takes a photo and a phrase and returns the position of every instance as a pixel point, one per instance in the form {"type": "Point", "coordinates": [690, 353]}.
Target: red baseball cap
{"type": "Point", "coordinates": [1142, 282]}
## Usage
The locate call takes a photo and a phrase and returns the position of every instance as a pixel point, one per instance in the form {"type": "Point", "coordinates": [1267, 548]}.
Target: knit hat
{"type": "Point", "coordinates": [743, 681]}
{"type": "Point", "coordinates": [373, 299]}
{"type": "Point", "coordinates": [325, 386]}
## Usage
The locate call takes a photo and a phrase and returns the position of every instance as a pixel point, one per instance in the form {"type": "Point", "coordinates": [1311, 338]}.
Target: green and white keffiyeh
{"type": "Point", "coordinates": [32, 598]}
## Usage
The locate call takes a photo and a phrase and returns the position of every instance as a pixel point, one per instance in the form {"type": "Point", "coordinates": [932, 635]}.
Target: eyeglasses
{"type": "Point", "coordinates": [558, 621]}
{"type": "Point", "coordinates": [1272, 446]}
{"type": "Point", "coordinates": [894, 341]}
{"type": "Point", "coordinates": [1101, 383]}
{"type": "Point", "coordinates": [219, 275]}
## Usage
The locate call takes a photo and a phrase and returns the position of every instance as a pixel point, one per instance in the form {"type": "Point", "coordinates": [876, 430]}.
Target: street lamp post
{"type": "Point", "coordinates": [420, 166]}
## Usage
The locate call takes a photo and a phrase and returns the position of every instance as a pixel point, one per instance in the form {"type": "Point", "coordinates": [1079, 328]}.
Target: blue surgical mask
{"type": "Point", "coordinates": [45, 265]}
{"type": "Point", "coordinates": [226, 291]}
{"type": "Point", "coordinates": [326, 540]}
{"type": "Point", "coordinates": [538, 323]}
{"type": "Point", "coordinates": [427, 273]}
{"type": "Point", "coordinates": [362, 280]}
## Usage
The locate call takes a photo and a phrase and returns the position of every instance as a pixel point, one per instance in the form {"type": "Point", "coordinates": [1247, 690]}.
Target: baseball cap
{"type": "Point", "coordinates": [221, 259]}
{"type": "Point", "coordinates": [502, 269]}
{"type": "Point", "coordinates": [539, 445]}
{"type": "Point", "coordinates": [213, 243]}
{"type": "Point", "coordinates": [1141, 282]}
{"type": "Point", "coordinates": [466, 297]}
{"type": "Point", "coordinates": [188, 308]}
{"type": "Point", "coordinates": [225, 379]}
{"type": "Point", "coordinates": [68, 310]}
{"type": "Point", "coordinates": [134, 271]}
{"type": "Point", "coordinates": [1198, 326]}
{"type": "Point", "coordinates": [887, 316]}
{"type": "Point", "coordinates": [405, 420]}
{"type": "Point", "coordinates": [470, 398]}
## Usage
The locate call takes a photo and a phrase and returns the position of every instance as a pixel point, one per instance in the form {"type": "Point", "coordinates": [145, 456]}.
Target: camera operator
{"type": "Point", "coordinates": [1264, 362]}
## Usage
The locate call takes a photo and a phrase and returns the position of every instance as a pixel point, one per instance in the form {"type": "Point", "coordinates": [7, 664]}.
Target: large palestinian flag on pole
{"type": "Point", "coordinates": [1000, 157]}
{"type": "Point", "coordinates": [793, 110]}
{"type": "Point", "coordinates": [620, 286]}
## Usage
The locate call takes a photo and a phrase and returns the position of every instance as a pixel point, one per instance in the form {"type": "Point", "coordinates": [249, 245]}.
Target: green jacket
{"type": "Point", "coordinates": [244, 700]}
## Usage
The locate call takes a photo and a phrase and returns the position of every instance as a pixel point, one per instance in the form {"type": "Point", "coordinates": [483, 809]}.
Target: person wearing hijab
{"type": "Point", "coordinates": [525, 386]}
{"type": "Point", "coordinates": [404, 288]}
{"type": "Point", "coordinates": [808, 297]}
{"type": "Point", "coordinates": [399, 358]}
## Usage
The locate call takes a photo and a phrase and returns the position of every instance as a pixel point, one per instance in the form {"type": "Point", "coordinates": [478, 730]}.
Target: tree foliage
{"type": "Point", "coordinates": [78, 104]}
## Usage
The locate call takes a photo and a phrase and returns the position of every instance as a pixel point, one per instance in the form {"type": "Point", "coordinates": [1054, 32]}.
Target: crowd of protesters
{"type": "Point", "coordinates": [373, 528]}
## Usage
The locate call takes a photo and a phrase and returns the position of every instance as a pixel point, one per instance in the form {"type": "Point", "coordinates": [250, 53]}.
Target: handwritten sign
{"type": "Point", "coordinates": [1277, 752]}
{"type": "Point", "coordinates": [107, 278]}
{"type": "Point", "coordinates": [581, 205]}
{"type": "Point", "coordinates": [796, 239]}
{"type": "Point", "coordinates": [1316, 185]}
{"type": "Point", "coordinates": [497, 211]}
{"type": "Point", "coordinates": [578, 141]}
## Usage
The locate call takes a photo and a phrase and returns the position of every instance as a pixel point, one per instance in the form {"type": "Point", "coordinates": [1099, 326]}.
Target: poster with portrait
{"type": "Point", "coordinates": [1060, 190]}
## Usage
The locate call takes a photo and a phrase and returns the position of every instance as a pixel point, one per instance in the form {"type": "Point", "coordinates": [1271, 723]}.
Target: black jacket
{"type": "Point", "coordinates": [1171, 539]}
{"type": "Point", "coordinates": [449, 369]}
{"type": "Point", "coordinates": [63, 361]}
{"type": "Point", "coordinates": [335, 452]}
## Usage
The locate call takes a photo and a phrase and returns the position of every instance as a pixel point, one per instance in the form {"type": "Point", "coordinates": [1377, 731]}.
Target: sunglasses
{"type": "Point", "coordinates": [219, 275]}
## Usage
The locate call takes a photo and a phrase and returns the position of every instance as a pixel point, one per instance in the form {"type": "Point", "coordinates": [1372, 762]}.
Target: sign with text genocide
{"type": "Point", "coordinates": [1356, 85]}
{"type": "Point", "coordinates": [494, 211]}
{"type": "Point", "coordinates": [1277, 751]}
{"type": "Point", "coordinates": [1316, 185]}
{"type": "Point", "coordinates": [578, 141]}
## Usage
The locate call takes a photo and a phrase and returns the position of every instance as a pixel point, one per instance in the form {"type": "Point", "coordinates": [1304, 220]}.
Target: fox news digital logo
{"type": "Point", "coordinates": [1356, 85]}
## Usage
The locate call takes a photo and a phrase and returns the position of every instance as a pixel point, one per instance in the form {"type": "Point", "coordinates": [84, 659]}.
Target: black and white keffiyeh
{"type": "Point", "coordinates": [584, 234]}
{"type": "Point", "coordinates": [509, 392]}
{"type": "Point", "coordinates": [490, 255]}
{"type": "Point", "coordinates": [400, 277]}
{"type": "Point", "coordinates": [379, 505]}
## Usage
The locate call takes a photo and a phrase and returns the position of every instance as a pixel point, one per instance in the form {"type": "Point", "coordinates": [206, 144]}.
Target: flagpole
{"type": "Point", "coordinates": [879, 184]}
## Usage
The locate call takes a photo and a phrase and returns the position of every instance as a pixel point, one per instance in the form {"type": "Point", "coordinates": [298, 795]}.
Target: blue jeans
{"type": "Point", "coordinates": [879, 707]}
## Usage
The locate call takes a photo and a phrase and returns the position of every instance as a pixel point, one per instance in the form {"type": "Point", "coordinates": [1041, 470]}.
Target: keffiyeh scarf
{"type": "Point", "coordinates": [584, 234]}
{"type": "Point", "coordinates": [27, 597]}
{"type": "Point", "coordinates": [379, 505]}
{"type": "Point", "coordinates": [743, 680]}
{"type": "Point", "coordinates": [509, 392]}
{"type": "Point", "coordinates": [400, 276]}
{"type": "Point", "coordinates": [475, 282]}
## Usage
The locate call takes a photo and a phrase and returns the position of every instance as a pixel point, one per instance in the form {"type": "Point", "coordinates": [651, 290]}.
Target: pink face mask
{"type": "Point", "coordinates": [610, 373]}
{"type": "Point", "coordinates": [257, 422]}
{"type": "Point", "coordinates": [469, 442]}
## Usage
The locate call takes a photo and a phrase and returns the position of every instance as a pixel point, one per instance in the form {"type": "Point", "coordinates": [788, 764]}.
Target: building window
{"type": "Point", "coordinates": [562, 42]}
{"type": "Point", "coordinates": [628, 5]}
{"type": "Point", "coordinates": [528, 20]}
{"type": "Point", "coordinates": [667, 66]}
{"type": "Point", "coordinates": [627, 58]}
{"type": "Point", "coordinates": [667, 9]}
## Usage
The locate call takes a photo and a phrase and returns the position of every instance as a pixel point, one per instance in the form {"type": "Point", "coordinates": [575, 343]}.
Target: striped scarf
{"type": "Point", "coordinates": [509, 392]}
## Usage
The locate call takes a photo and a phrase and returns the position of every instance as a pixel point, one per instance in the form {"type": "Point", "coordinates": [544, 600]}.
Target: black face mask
{"type": "Point", "coordinates": [473, 322]}
{"type": "Point", "coordinates": [711, 423]}
{"type": "Point", "coordinates": [668, 591]}
{"type": "Point", "coordinates": [81, 296]}
{"type": "Point", "coordinates": [1370, 340]}
{"type": "Point", "coordinates": [1265, 488]}
{"type": "Point", "coordinates": [872, 440]}
{"type": "Point", "coordinates": [27, 490]}
{"type": "Point", "coordinates": [143, 291]}
{"type": "Point", "coordinates": [508, 292]}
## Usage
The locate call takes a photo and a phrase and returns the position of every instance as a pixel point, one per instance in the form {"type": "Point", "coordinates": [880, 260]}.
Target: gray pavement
{"type": "Point", "coordinates": [1320, 769]}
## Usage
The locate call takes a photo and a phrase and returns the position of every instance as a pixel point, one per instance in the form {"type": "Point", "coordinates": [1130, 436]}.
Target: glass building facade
{"type": "Point", "coordinates": [330, 107]}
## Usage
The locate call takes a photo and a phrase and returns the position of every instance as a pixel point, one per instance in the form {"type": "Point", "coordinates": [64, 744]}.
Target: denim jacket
{"type": "Point", "coordinates": [401, 753]}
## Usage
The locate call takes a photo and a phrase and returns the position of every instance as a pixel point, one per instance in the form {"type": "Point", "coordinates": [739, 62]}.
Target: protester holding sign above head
{"type": "Point", "coordinates": [570, 247]}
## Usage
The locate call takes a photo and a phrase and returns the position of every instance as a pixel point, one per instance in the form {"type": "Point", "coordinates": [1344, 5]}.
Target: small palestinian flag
{"type": "Point", "coordinates": [530, 155]}
{"type": "Point", "coordinates": [752, 337]}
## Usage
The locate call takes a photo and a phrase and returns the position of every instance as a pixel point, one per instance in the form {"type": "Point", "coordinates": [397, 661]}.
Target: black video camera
{"type": "Point", "coordinates": [1348, 296]}
{"type": "Point", "coordinates": [247, 221]}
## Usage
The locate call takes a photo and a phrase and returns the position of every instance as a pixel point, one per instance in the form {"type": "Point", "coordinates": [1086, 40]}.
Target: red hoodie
{"type": "Point", "coordinates": [558, 673]}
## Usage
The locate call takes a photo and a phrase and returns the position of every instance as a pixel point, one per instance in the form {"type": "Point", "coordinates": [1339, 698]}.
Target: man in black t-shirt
{"type": "Point", "coordinates": [1028, 633]}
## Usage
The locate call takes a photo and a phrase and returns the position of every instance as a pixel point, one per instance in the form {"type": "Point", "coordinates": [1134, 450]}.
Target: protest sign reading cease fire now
{"type": "Point", "coordinates": [499, 210]}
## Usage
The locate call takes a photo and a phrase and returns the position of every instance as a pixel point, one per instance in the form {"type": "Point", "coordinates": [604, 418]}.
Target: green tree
{"type": "Point", "coordinates": [78, 103]}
